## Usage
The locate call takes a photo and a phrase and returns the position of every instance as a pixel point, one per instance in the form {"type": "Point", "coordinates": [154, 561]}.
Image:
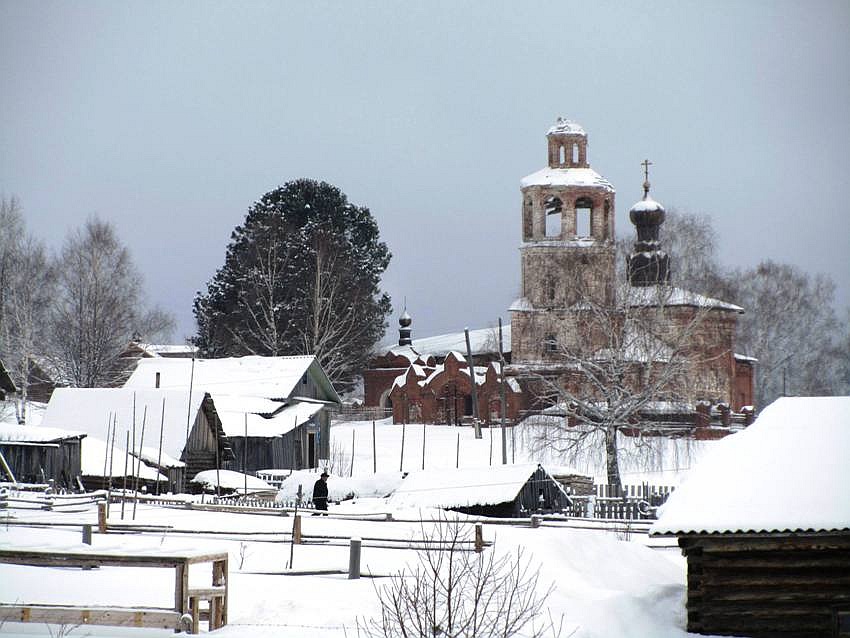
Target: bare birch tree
{"type": "Point", "coordinates": [98, 307]}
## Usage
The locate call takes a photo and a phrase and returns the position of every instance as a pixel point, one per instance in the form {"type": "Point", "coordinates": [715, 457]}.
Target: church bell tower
{"type": "Point", "coordinates": [567, 250]}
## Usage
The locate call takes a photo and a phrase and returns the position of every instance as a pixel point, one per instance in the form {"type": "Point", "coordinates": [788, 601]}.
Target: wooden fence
{"type": "Point", "coordinates": [631, 502]}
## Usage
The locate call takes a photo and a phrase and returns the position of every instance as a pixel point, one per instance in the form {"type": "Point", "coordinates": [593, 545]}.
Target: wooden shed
{"type": "Point", "coordinates": [257, 412]}
{"type": "Point", "coordinates": [764, 522]}
{"type": "Point", "coordinates": [38, 455]}
{"type": "Point", "coordinates": [503, 491]}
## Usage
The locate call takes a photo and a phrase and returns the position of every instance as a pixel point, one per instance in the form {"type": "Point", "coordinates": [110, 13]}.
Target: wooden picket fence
{"type": "Point", "coordinates": [632, 502]}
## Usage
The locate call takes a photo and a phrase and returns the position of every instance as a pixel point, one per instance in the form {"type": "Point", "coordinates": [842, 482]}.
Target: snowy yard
{"type": "Point", "coordinates": [604, 585]}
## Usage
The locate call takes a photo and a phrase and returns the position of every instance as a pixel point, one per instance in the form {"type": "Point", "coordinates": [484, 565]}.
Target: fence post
{"type": "Point", "coordinates": [479, 537]}
{"type": "Point", "coordinates": [87, 534]}
{"type": "Point", "coordinates": [101, 517]}
{"type": "Point", "coordinates": [296, 529]}
{"type": "Point", "coordinates": [354, 559]}
{"type": "Point", "coordinates": [535, 520]}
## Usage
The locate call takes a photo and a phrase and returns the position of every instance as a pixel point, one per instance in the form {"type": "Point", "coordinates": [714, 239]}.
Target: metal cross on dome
{"type": "Point", "coordinates": [646, 164]}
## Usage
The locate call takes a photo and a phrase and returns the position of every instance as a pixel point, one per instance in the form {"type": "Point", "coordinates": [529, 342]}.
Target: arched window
{"type": "Point", "coordinates": [584, 207]}
{"type": "Point", "coordinates": [551, 289]}
{"type": "Point", "coordinates": [562, 157]}
{"type": "Point", "coordinates": [553, 207]}
{"type": "Point", "coordinates": [575, 154]}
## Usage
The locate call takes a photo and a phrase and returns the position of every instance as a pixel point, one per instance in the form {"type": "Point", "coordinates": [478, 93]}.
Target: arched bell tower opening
{"type": "Point", "coordinates": [567, 249]}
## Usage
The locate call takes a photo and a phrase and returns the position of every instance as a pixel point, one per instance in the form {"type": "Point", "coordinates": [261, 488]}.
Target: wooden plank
{"type": "Point", "coordinates": [69, 615]}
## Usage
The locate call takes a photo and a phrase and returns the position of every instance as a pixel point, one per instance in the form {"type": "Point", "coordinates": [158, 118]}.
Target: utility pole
{"type": "Point", "coordinates": [475, 420]}
{"type": "Point", "coordinates": [502, 397]}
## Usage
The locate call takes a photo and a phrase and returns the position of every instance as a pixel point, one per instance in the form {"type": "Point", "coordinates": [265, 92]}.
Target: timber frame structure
{"type": "Point", "coordinates": [792, 584]}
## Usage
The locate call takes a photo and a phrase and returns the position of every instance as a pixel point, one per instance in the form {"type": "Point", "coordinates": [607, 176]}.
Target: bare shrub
{"type": "Point", "coordinates": [453, 591]}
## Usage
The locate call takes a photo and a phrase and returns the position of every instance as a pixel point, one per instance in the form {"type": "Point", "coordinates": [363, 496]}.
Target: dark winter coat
{"type": "Point", "coordinates": [320, 495]}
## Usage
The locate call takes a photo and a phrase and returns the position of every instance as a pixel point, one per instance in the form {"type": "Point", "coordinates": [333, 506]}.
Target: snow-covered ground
{"type": "Point", "coordinates": [604, 586]}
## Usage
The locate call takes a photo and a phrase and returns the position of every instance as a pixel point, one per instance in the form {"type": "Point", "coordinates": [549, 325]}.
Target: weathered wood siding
{"type": "Point", "coordinates": [38, 462]}
{"type": "Point", "coordinates": [767, 585]}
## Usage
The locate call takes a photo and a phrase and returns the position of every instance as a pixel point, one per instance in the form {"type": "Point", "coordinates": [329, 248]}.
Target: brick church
{"type": "Point", "coordinates": [574, 314]}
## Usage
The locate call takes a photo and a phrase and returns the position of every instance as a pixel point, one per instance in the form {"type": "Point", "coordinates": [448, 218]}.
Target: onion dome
{"type": "Point", "coordinates": [404, 330]}
{"type": "Point", "coordinates": [648, 265]}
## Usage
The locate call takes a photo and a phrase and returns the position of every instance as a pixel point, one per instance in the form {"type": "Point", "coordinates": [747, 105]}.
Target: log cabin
{"type": "Point", "coordinates": [764, 523]}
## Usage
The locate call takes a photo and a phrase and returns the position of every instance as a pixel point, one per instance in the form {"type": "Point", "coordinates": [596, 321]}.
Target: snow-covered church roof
{"type": "Point", "coordinates": [787, 472]}
{"type": "Point", "coordinates": [566, 177]}
{"type": "Point", "coordinates": [673, 296]}
{"type": "Point", "coordinates": [481, 341]}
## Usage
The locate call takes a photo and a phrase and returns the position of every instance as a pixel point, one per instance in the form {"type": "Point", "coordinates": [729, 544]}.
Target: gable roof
{"type": "Point", "coordinates": [268, 377]}
{"type": "Point", "coordinates": [89, 410]}
{"type": "Point", "coordinates": [786, 472]}
{"type": "Point", "coordinates": [462, 487]}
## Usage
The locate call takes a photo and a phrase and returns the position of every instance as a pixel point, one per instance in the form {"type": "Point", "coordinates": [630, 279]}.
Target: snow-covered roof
{"type": "Point", "coordinates": [94, 461]}
{"type": "Point", "coordinates": [167, 350]}
{"type": "Point", "coordinates": [34, 434]}
{"type": "Point", "coordinates": [462, 488]}
{"type": "Point", "coordinates": [673, 296]}
{"type": "Point", "coordinates": [270, 377]}
{"type": "Point", "coordinates": [230, 480]}
{"type": "Point", "coordinates": [564, 125]}
{"type": "Point", "coordinates": [265, 418]}
{"type": "Point", "coordinates": [786, 472]}
{"type": "Point", "coordinates": [481, 340]}
{"type": "Point", "coordinates": [566, 177]}
{"type": "Point", "coordinates": [522, 304]}
{"type": "Point", "coordinates": [90, 410]}
{"type": "Point", "coordinates": [646, 205]}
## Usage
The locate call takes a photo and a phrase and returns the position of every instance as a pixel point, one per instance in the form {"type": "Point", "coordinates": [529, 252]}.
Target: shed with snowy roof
{"type": "Point", "coordinates": [259, 412]}
{"type": "Point", "coordinates": [764, 521]}
{"type": "Point", "coordinates": [38, 455]}
{"type": "Point", "coordinates": [504, 491]}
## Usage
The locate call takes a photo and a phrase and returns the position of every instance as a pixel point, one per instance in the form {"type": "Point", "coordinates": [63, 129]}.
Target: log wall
{"type": "Point", "coordinates": [779, 585]}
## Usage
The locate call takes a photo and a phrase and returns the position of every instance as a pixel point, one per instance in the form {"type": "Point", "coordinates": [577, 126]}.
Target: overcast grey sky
{"type": "Point", "coordinates": [169, 119]}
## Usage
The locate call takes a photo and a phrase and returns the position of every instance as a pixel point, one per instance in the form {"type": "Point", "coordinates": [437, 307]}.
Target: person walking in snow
{"type": "Point", "coordinates": [320, 493]}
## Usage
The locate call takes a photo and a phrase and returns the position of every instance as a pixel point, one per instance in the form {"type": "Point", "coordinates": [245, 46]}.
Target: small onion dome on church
{"type": "Point", "coordinates": [647, 212]}
{"type": "Point", "coordinates": [404, 331]}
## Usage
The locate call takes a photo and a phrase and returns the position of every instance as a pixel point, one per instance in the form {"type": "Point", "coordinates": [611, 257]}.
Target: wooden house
{"type": "Point", "coordinates": [39, 455]}
{"type": "Point", "coordinates": [503, 491]}
{"type": "Point", "coordinates": [257, 412]}
{"type": "Point", "coordinates": [113, 416]}
{"type": "Point", "coordinates": [764, 522]}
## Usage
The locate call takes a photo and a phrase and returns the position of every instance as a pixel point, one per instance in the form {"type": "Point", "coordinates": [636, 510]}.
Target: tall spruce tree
{"type": "Point", "coordinates": [301, 276]}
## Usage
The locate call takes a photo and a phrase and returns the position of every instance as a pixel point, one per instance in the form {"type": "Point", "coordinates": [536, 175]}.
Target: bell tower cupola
{"type": "Point", "coordinates": [567, 145]}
